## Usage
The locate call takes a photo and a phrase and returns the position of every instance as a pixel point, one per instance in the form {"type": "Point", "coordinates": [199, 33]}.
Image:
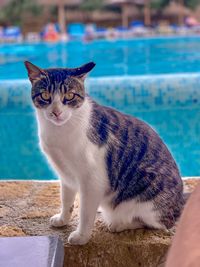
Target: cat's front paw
{"type": "Point", "coordinates": [58, 220]}
{"type": "Point", "coordinates": [76, 238]}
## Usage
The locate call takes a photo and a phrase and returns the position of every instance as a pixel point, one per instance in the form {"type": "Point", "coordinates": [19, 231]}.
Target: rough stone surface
{"type": "Point", "coordinates": [25, 209]}
{"type": "Point", "coordinates": [11, 230]}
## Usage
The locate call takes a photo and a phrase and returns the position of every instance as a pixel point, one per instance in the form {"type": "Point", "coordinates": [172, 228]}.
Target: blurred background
{"type": "Point", "coordinates": [147, 55]}
{"type": "Point", "coordinates": [94, 17]}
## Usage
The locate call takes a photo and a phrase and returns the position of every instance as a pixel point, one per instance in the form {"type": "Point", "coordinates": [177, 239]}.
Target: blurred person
{"type": "Point", "coordinates": [185, 248]}
{"type": "Point", "coordinates": [190, 21]}
{"type": "Point", "coordinates": [51, 34]}
{"type": "Point", "coordinates": [90, 32]}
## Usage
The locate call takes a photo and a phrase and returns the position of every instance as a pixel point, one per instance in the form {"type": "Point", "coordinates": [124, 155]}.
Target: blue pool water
{"type": "Point", "coordinates": [121, 57]}
{"type": "Point", "coordinates": [157, 80]}
{"type": "Point", "coordinates": [171, 104]}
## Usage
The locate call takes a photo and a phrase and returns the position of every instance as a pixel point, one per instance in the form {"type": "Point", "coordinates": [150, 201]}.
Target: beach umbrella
{"type": "Point", "coordinates": [177, 9]}
{"type": "Point", "coordinates": [61, 4]}
{"type": "Point", "coordinates": [147, 10]}
{"type": "Point", "coordinates": [125, 9]}
{"type": "Point", "coordinates": [98, 16]}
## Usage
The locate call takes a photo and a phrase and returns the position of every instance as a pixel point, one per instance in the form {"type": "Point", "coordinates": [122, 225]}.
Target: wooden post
{"type": "Point", "coordinates": [61, 16]}
{"type": "Point", "coordinates": [125, 9]}
{"type": "Point", "coordinates": [180, 13]}
{"type": "Point", "coordinates": [147, 13]}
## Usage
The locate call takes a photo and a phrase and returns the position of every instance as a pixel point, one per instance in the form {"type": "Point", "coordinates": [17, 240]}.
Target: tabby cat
{"type": "Point", "coordinates": [114, 161]}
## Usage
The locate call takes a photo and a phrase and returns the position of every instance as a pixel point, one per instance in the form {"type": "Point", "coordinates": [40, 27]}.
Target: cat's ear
{"type": "Point", "coordinates": [34, 72]}
{"type": "Point", "coordinates": [81, 72]}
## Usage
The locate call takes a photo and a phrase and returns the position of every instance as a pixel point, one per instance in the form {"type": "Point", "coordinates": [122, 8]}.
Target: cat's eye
{"type": "Point", "coordinates": [69, 96]}
{"type": "Point", "coordinates": [45, 96]}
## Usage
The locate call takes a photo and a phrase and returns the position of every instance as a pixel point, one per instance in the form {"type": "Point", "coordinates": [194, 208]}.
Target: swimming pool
{"type": "Point", "coordinates": [157, 80]}
{"type": "Point", "coordinates": [113, 58]}
{"type": "Point", "coordinates": [170, 103]}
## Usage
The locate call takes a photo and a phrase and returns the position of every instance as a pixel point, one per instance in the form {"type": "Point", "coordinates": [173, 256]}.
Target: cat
{"type": "Point", "coordinates": [114, 161]}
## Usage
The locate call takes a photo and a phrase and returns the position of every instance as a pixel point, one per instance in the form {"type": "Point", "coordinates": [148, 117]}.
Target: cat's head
{"type": "Point", "coordinates": [59, 91]}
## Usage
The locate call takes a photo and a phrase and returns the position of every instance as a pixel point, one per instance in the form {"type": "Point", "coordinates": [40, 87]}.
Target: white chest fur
{"type": "Point", "coordinates": [81, 166]}
{"type": "Point", "coordinates": [68, 149]}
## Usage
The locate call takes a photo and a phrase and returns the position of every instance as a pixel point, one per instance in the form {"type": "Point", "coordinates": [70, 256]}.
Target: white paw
{"type": "Point", "coordinates": [58, 221]}
{"type": "Point", "coordinates": [75, 238]}
{"type": "Point", "coordinates": [100, 210]}
{"type": "Point", "coordinates": [115, 228]}
{"type": "Point", "coordinates": [119, 227]}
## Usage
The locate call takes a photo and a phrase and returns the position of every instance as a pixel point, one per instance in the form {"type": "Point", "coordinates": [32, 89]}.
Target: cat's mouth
{"type": "Point", "coordinates": [60, 120]}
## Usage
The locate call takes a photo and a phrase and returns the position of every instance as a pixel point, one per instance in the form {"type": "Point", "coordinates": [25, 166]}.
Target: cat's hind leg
{"type": "Point", "coordinates": [132, 215]}
{"type": "Point", "coordinates": [119, 227]}
{"type": "Point", "coordinates": [120, 218]}
{"type": "Point", "coordinates": [151, 220]}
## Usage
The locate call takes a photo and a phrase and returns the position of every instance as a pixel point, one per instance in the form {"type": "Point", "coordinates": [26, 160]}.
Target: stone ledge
{"type": "Point", "coordinates": [25, 209]}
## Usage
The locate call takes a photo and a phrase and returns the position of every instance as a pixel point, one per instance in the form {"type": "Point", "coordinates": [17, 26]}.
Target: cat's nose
{"type": "Point", "coordinates": [56, 113]}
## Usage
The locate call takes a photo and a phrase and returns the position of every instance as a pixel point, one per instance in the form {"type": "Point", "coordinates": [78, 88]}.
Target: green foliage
{"type": "Point", "coordinates": [158, 4]}
{"type": "Point", "coordinates": [92, 4]}
{"type": "Point", "coordinates": [13, 12]}
{"type": "Point", "coordinates": [192, 3]}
